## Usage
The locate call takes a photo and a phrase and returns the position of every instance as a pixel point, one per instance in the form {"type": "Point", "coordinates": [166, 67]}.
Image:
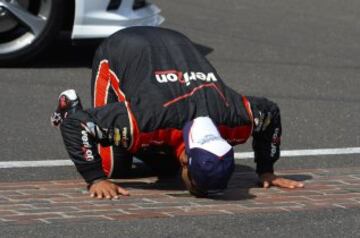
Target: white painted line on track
{"type": "Point", "coordinates": [238, 156]}
{"type": "Point", "coordinates": [36, 163]}
{"type": "Point", "coordinates": [312, 152]}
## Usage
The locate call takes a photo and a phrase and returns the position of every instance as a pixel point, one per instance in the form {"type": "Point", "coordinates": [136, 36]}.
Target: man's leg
{"type": "Point", "coordinates": [116, 161]}
{"type": "Point", "coordinates": [266, 133]}
{"type": "Point", "coordinates": [102, 91]}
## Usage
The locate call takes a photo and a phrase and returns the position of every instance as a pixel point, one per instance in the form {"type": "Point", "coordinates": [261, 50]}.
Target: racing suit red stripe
{"type": "Point", "coordinates": [115, 84]}
{"type": "Point", "coordinates": [173, 137]}
{"type": "Point", "coordinates": [169, 136]}
{"type": "Point", "coordinates": [186, 95]}
{"type": "Point", "coordinates": [106, 78]}
{"type": "Point", "coordinates": [101, 90]}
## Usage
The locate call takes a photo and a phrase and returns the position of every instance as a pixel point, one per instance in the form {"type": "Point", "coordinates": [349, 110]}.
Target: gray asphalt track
{"type": "Point", "coordinates": [328, 223]}
{"type": "Point", "coordinates": [302, 54]}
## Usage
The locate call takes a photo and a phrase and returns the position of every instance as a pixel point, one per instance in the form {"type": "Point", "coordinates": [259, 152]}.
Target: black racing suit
{"type": "Point", "coordinates": [147, 83]}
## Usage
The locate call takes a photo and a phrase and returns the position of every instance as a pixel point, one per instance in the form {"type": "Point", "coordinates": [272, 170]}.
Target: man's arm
{"type": "Point", "coordinates": [266, 142]}
{"type": "Point", "coordinates": [82, 149]}
{"type": "Point", "coordinates": [270, 179]}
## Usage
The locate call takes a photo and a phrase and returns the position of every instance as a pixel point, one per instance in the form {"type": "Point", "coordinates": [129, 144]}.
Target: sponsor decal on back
{"type": "Point", "coordinates": [121, 138]}
{"type": "Point", "coordinates": [172, 76]}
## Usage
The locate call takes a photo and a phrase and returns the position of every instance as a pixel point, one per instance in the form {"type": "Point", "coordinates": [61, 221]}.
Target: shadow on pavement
{"type": "Point", "coordinates": [243, 179]}
{"type": "Point", "coordinates": [246, 179]}
{"type": "Point", "coordinates": [204, 50]}
{"type": "Point", "coordinates": [298, 177]}
{"type": "Point", "coordinates": [63, 53]}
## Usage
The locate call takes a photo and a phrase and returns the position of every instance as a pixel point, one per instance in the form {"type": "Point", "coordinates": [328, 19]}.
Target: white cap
{"type": "Point", "coordinates": [70, 94]}
{"type": "Point", "coordinates": [203, 134]}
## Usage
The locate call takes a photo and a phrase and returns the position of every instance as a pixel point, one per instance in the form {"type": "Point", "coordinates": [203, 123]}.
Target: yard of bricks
{"type": "Point", "coordinates": [68, 200]}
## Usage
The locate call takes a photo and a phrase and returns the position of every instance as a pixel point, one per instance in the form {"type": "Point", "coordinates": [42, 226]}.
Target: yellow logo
{"type": "Point", "coordinates": [117, 136]}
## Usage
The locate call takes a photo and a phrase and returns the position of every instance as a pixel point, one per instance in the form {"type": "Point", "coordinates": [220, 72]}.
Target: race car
{"type": "Point", "coordinates": [27, 27]}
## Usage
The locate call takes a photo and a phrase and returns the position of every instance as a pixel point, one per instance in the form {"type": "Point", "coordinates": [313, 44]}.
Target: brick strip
{"type": "Point", "coordinates": [68, 201]}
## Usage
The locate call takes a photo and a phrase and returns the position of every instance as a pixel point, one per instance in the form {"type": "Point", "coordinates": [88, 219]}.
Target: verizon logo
{"type": "Point", "coordinates": [87, 152]}
{"type": "Point", "coordinates": [184, 78]}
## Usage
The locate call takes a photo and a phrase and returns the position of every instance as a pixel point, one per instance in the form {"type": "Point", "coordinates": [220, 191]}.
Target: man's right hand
{"type": "Point", "coordinates": [107, 189]}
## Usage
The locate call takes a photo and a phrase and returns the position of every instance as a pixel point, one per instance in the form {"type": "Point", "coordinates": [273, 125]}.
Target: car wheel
{"type": "Point", "coordinates": [27, 27]}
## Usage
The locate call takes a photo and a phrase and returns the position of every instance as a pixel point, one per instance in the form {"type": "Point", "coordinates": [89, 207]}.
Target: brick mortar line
{"type": "Point", "coordinates": [44, 221]}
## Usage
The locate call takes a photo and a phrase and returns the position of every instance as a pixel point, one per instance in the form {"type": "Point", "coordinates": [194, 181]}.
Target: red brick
{"type": "Point", "coordinates": [306, 208]}
{"type": "Point", "coordinates": [348, 181]}
{"type": "Point", "coordinates": [153, 210]}
{"type": "Point", "coordinates": [67, 191]}
{"type": "Point", "coordinates": [87, 201]}
{"type": "Point", "coordinates": [73, 220]}
{"type": "Point", "coordinates": [27, 222]}
{"type": "Point", "coordinates": [300, 192]}
{"type": "Point", "coordinates": [198, 213]}
{"type": "Point", "coordinates": [164, 205]}
{"type": "Point", "coordinates": [354, 177]}
{"type": "Point", "coordinates": [137, 216]}
{"type": "Point", "coordinates": [225, 208]}
{"type": "Point", "coordinates": [63, 186]}
{"type": "Point", "coordinates": [93, 213]}
{"type": "Point", "coordinates": [318, 204]}
{"type": "Point", "coordinates": [268, 209]}
{"type": "Point", "coordinates": [69, 182]}
{"type": "Point", "coordinates": [26, 201]}
{"type": "Point", "coordinates": [333, 197]}
{"type": "Point", "coordinates": [150, 192]}
{"type": "Point", "coordinates": [64, 199]}
{"type": "Point", "coordinates": [319, 186]}
{"type": "Point", "coordinates": [282, 198]}
{"type": "Point", "coordinates": [24, 184]}
{"type": "Point", "coordinates": [26, 217]}
{"type": "Point", "coordinates": [355, 199]}
{"type": "Point", "coordinates": [15, 206]}
{"type": "Point", "coordinates": [7, 212]}
{"type": "Point", "coordinates": [336, 192]}
{"type": "Point", "coordinates": [274, 205]}
{"type": "Point", "coordinates": [17, 187]}
{"type": "Point", "coordinates": [9, 192]}
{"type": "Point", "coordinates": [22, 198]}
{"type": "Point", "coordinates": [109, 207]}
{"type": "Point", "coordinates": [347, 204]}
{"type": "Point", "coordinates": [46, 210]}
{"type": "Point", "coordinates": [57, 205]}
{"type": "Point", "coordinates": [303, 171]}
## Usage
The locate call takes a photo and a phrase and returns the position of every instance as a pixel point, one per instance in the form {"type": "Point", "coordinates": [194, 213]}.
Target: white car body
{"type": "Point", "coordinates": [28, 27]}
{"type": "Point", "coordinates": [92, 20]}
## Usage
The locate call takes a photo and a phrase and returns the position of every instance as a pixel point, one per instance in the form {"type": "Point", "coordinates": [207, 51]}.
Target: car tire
{"type": "Point", "coordinates": [37, 33]}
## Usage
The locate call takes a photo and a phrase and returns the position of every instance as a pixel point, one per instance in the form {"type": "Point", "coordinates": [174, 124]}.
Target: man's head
{"type": "Point", "coordinates": [68, 103]}
{"type": "Point", "coordinates": [209, 161]}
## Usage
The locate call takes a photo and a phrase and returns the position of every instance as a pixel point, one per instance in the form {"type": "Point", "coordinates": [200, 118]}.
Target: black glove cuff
{"type": "Point", "coordinates": [264, 167]}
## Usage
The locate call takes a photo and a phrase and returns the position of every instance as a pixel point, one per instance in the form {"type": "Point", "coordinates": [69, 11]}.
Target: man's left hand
{"type": "Point", "coordinates": [270, 179]}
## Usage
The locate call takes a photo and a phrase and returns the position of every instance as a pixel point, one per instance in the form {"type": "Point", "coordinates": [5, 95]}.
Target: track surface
{"type": "Point", "coordinates": [302, 54]}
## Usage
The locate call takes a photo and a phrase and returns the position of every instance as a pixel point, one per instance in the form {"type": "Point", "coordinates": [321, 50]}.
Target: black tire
{"type": "Point", "coordinates": [43, 40]}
